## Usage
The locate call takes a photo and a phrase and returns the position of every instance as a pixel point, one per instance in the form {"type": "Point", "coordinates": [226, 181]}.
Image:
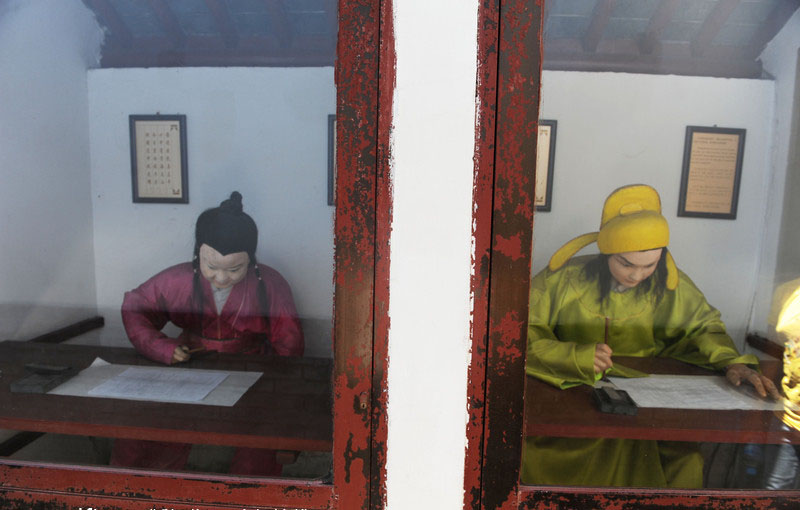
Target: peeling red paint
{"type": "Point", "coordinates": [31, 485]}
{"type": "Point", "coordinates": [519, 70]}
{"type": "Point", "coordinates": [384, 207]}
{"type": "Point", "coordinates": [520, 54]}
{"type": "Point", "coordinates": [605, 498]}
{"type": "Point", "coordinates": [357, 72]}
{"type": "Point", "coordinates": [510, 247]}
{"type": "Point", "coordinates": [486, 97]}
{"type": "Point", "coordinates": [101, 487]}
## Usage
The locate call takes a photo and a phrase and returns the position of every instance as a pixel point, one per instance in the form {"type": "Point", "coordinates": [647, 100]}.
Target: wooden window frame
{"type": "Point", "coordinates": [25, 484]}
{"type": "Point", "coordinates": [497, 372]}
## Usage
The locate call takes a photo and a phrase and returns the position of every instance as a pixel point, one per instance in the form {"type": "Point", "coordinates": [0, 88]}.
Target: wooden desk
{"type": "Point", "coordinates": [571, 413]}
{"type": "Point", "coordinates": [288, 408]}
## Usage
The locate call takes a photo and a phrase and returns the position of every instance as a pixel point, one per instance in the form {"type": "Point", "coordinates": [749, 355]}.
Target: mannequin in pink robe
{"type": "Point", "coordinates": [256, 315]}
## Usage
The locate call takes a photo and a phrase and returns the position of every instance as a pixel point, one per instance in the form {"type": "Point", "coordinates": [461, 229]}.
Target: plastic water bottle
{"type": "Point", "coordinates": [752, 466]}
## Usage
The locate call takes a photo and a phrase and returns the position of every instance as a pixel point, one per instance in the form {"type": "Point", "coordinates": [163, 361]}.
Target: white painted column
{"type": "Point", "coordinates": [432, 148]}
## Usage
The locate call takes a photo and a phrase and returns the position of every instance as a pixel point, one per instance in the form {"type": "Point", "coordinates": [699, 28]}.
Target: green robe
{"type": "Point", "coordinates": [565, 322]}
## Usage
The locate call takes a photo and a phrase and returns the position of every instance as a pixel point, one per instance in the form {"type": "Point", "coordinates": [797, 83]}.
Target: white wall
{"type": "Point", "coordinates": [616, 129]}
{"type": "Point", "coordinates": [47, 264]}
{"type": "Point", "coordinates": [261, 131]}
{"type": "Point", "coordinates": [429, 307]}
{"type": "Point", "coordinates": [779, 60]}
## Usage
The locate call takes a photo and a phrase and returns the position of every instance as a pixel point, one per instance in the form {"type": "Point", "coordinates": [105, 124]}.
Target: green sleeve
{"type": "Point", "coordinates": [693, 331]}
{"type": "Point", "coordinates": [561, 363]}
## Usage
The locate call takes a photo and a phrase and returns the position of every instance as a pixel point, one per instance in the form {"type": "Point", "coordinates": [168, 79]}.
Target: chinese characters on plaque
{"type": "Point", "coordinates": [158, 153]}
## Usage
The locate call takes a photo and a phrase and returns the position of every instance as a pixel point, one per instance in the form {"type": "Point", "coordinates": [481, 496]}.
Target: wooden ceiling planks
{"type": "Point", "coordinates": [651, 38]}
{"type": "Point", "coordinates": [223, 22]}
{"type": "Point", "coordinates": [274, 44]}
{"type": "Point", "coordinates": [279, 22]}
{"type": "Point", "coordinates": [600, 16]}
{"type": "Point", "coordinates": [655, 37]}
{"type": "Point", "coordinates": [712, 25]}
{"type": "Point", "coordinates": [657, 51]}
{"type": "Point", "coordinates": [169, 22]}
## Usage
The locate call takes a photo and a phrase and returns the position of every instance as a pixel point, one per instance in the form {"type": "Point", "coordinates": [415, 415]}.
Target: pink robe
{"type": "Point", "coordinates": [240, 327]}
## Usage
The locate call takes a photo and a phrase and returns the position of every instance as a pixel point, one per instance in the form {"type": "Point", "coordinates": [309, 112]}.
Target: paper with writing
{"type": "Point", "coordinates": [159, 384]}
{"type": "Point", "coordinates": [693, 392]}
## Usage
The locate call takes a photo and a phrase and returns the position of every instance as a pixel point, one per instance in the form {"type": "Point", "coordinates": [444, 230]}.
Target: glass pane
{"type": "Point", "coordinates": [684, 185]}
{"type": "Point", "coordinates": [170, 170]}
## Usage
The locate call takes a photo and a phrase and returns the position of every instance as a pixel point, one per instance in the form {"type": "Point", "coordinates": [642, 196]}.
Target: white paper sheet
{"type": "Point", "coordinates": [163, 384]}
{"type": "Point", "coordinates": [693, 392]}
{"type": "Point", "coordinates": [160, 384]}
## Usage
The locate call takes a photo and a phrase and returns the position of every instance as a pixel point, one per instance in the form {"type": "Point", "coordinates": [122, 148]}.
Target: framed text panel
{"type": "Point", "coordinates": [159, 170]}
{"type": "Point", "coordinates": [712, 170]}
{"type": "Point", "coordinates": [545, 163]}
{"type": "Point", "coordinates": [332, 160]}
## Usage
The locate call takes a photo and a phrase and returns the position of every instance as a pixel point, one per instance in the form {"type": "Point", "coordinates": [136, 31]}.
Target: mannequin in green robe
{"type": "Point", "coordinates": [652, 309]}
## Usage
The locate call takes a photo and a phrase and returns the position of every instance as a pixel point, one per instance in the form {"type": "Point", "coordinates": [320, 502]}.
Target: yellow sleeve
{"type": "Point", "coordinates": [561, 363]}
{"type": "Point", "coordinates": [692, 330]}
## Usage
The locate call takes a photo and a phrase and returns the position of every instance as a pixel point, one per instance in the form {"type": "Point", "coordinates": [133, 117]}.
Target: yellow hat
{"type": "Point", "coordinates": [631, 221]}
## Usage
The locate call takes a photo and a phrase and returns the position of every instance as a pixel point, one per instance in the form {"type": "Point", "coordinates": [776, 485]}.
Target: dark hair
{"type": "Point", "coordinates": [227, 229]}
{"type": "Point", "coordinates": [597, 268]}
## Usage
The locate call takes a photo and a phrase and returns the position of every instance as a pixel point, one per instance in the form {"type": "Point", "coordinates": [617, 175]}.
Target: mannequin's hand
{"type": "Point", "coordinates": [602, 358]}
{"type": "Point", "coordinates": [738, 372]}
{"type": "Point", "coordinates": [180, 354]}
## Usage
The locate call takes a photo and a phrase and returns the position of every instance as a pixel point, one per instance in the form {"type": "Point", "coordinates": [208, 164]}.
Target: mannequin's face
{"type": "Point", "coordinates": [223, 271]}
{"type": "Point", "coordinates": [631, 268]}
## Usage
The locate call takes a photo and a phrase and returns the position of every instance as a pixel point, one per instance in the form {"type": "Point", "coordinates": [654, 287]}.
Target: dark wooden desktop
{"type": "Point", "coordinates": [550, 411]}
{"type": "Point", "coordinates": [288, 408]}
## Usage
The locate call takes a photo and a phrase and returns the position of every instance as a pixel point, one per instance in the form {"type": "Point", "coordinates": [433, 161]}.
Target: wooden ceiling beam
{"type": "Point", "coordinates": [332, 15]}
{"type": "Point", "coordinates": [178, 59]}
{"type": "Point", "coordinates": [280, 21]}
{"type": "Point", "coordinates": [260, 48]}
{"type": "Point", "coordinates": [622, 55]}
{"type": "Point", "coordinates": [211, 52]}
{"type": "Point", "coordinates": [650, 64]}
{"type": "Point", "coordinates": [169, 22]}
{"type": "Point", "coordinates": [597, 25]}
{"type": "Point", "coordinates": [775, 21]}
{"type": "Point", "coordinates": [223, 21]}
{"type": "Point", "coordinates": [628, 49]}
{"type": "Point", "coordinates": [712, 25]}
{"type": "Point", "coordinates": [650, 39]}
{"type": "Point", "coordinates": [113, 21]}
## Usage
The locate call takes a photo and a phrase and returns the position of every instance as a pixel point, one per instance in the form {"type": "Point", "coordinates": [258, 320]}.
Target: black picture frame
{"type": "Point", "coordinates": [332, 160]}
{"type": "Point", "coordinates": [168, 169]}
{"type": "Point", "coordinates": [544, 201]}
{"type": "Point", "coordinates": [712, 172]}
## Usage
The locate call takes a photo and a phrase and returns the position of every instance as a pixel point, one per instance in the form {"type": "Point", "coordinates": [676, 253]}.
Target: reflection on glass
{"type": "Point", "coordinates": [225, 302]}
{"type": "Point", "coordinates": [81, 247]}
{"type": "Point", "coordinates": [788, 324]}
{"type": "Point", "coordinates": [665, 295]}
{"type": "Point", "coordinates": [629, 300]}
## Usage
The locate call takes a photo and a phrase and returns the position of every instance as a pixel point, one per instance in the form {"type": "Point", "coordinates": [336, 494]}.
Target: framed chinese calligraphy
{"type": "Point", "coordinates": [159, 170]}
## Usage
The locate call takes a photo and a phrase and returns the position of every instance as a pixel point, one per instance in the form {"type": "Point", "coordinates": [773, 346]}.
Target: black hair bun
{"type": "Point", "coordinates": [233, 204]}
